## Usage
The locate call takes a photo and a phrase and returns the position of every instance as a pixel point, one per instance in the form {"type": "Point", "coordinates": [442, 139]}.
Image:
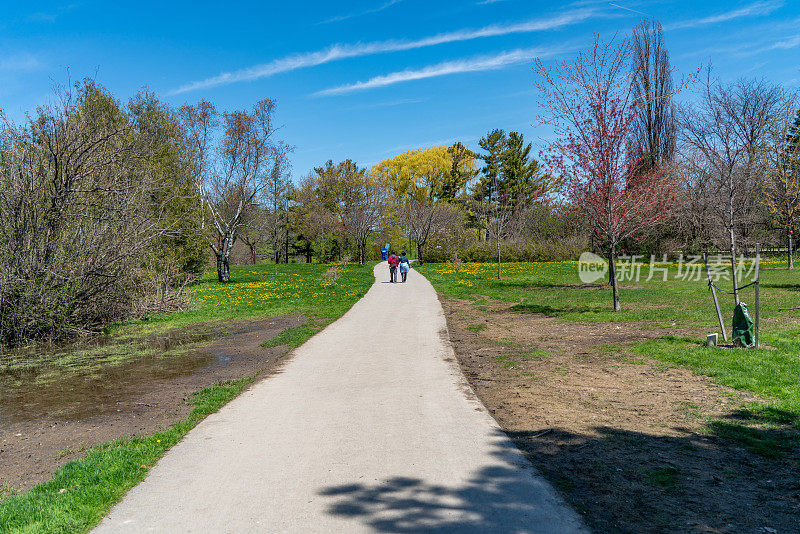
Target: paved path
{"type": "Point", "coordinates": [370, 427]}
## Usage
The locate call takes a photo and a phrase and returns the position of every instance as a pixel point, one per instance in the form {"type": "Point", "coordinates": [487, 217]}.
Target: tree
{"type": "Point", "coordinates": [494, 145]}
{"type": "Point", "coordinates": [510, 181]}
{"type": "Point", "coordinates": [591, 104]}
{"type": "Point", "coordinates": [656, 129]}
{"type": "Point", "coordinates": [416, 179]}
{"type": "Point", "coordinates": [721, 137]}
{"type": "Point", "coordinates": [522, 179]}
{"type": "Point", "coordinates": [275, 210]}
{"type": "Point", "coordinates": [462, 171]}
{"type": "Point", "coordinates": [181, 252]}
{"type": "Point", "coordinates": [493, 210]}
{"type": "Point", "coordinates": [252, 233]}
{"type": "Point", "coordinates": [780, 181]}
{"type": "Point", "coordinates": [233, 170]}
{"type": "Point", "coordinates": [511, 178]}
{"type": "Point", "coordinates": [90, 193]}
{"type": "Point", "coordinates": [360, 205]}
{"type": "Point", "coordinates": [312, 214]}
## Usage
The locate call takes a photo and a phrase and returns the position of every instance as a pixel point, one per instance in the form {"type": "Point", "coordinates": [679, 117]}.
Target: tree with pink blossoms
{"type": "Point", "coordinates": [592, 106]}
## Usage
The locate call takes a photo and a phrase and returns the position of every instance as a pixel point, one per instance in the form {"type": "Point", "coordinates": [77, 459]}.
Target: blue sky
{"type": "Point", "coordinates": [367, 79]}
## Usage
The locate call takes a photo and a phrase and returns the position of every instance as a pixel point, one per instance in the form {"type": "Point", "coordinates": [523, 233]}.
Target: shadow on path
{"type": "Point", "coordinates": [497, 498]}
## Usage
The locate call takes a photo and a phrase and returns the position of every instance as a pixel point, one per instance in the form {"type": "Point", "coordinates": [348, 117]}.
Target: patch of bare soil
{"type": "Point", "coordinates": [40, 432]}
{"type": "Point", "coordinates": [623, 438]}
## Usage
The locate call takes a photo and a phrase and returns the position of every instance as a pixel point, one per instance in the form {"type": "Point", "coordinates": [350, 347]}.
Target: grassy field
{"type": "Point", "coordinates": [554, 289]}
{"type": "Point", "coordinates": [254, 291]}
{"type": "Point", "coordinates": [82, 491]}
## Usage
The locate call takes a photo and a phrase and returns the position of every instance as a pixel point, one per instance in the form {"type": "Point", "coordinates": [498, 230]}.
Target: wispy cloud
{"type": "Point", "coordinates": [628, 9]}
{"type": "Point", "coordinates": [473, 64]}
{"type": "Point", "coordinates": [786, 44]}
{"type": "Point", "coordinates": [339, 52]}
{"type": "Point", "coordinates": [381, 7]}
{"type": "Point", "coordinates": [754, 9]}
{"type": "Point", "coordinates": [51, 16]}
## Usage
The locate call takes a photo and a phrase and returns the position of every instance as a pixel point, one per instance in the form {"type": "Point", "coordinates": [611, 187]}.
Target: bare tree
{"type": "Point", "coordinates": [235, 171]}
{"type": "Point", "coordinates": [424, 218]}
{"type": "Point", "coordinates": [780, 153]}
{"type": "Point", "coordinates": [722, 136]}
{"type": "Point", "coordinates": [494, 210]}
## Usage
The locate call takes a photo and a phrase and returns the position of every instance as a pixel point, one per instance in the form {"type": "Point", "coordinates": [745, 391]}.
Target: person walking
{"type": "Point", "coordinates": [393, 262]}
{"type": "Point", "coordinates": [405, 266]}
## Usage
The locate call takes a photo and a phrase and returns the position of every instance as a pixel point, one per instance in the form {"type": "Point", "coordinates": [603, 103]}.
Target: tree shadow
{"type": "Point", "coordinates": [734, 477]}
{"type": "Point", "coordinates": [551, 311]}
{"type": "Point", "coordinates": [790, 287]}
{"type": "Point", "coordinates": [502, 497]}
{"type": "Point", "coordinates": [742, 473]}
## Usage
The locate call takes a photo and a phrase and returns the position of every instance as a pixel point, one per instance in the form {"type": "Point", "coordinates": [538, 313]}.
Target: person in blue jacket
{"type": "Point", "coordinates": [405, 266]}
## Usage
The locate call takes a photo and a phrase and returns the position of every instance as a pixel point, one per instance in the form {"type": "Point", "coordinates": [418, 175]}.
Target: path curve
{"type": "Point", "coordinates": [370, 427]}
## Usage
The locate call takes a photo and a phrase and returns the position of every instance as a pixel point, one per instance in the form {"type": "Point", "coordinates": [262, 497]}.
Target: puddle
{"type": "Point", "coordinates": [91, 378]}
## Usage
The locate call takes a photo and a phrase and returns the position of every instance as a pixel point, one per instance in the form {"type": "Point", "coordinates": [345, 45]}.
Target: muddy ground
{"type": "Point", "coordinates": [626, 440]}
{"type": "Point", "coordinates": [46, 423]}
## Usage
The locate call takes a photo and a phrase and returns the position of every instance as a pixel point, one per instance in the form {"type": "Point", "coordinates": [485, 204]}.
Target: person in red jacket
{"type": "Point", "coordinates": [394, 261]}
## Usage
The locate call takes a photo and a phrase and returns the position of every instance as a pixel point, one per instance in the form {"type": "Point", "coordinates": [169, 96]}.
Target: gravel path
{"type": "Point", "coordinates": [370, 427]}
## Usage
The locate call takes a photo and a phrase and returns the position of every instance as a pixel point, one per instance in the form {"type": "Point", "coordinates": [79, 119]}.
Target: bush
{"type": "Point", "coordinates": [566, 248]}
{"type": "Point", "coordinates": [96, 215]}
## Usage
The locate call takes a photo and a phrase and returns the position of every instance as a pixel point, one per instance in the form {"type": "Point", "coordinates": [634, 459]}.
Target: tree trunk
{"type": "Point", "coordinates": [226, 267]}
{"type": "Point", "coordinates": [361, 247]}
{"type": "Point", "coordinates": [789, 248]}
{"type": "Point", "coordinates": [309, 252]}
{"type": "Point", "coordinates": [419, 253]}
{"type": "Point", "coordinates": [253, 255]}
{"type": "Point", "coordinates": [220, 267]}
{"type": "Point", "coordinates": [733, 267]}
{"type": "Point", "coordinates": [498, 258]}
{"type": "Point", "coordinates": [612, 275]}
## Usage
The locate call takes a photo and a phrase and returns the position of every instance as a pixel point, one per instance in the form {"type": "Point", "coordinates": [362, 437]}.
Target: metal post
{"type": "Point", "coordinates": [758, 268]}
{"type": "Point", "coordinates": [716, 302]}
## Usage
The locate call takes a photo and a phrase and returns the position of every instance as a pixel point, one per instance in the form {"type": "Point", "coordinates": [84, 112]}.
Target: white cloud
{"type": "Point", "coordinates": [381, 7]}
{"type": "Point", "coordinates": [628, 9]}
{"type": "Point", "coordinates": [474, 64]}
{"type": "Point", "coordinates": [754, 9]}
{"type": "Point", "coordinates": [786, 44]}
{"type": "Point", "coordinates": [338, 52]}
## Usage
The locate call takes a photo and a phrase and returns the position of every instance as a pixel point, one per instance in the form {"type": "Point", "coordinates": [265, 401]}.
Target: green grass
{"type": "Point", "coordinates": [82, 491]}
{"type": "Point", "coordinates": [665, 479]}
{"type": "Point", "coordinates": [255, 291]}
{"type": "Point", "coordinates": [554, 289]}
{"type": "Point", "coordinates": [293, 336]}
